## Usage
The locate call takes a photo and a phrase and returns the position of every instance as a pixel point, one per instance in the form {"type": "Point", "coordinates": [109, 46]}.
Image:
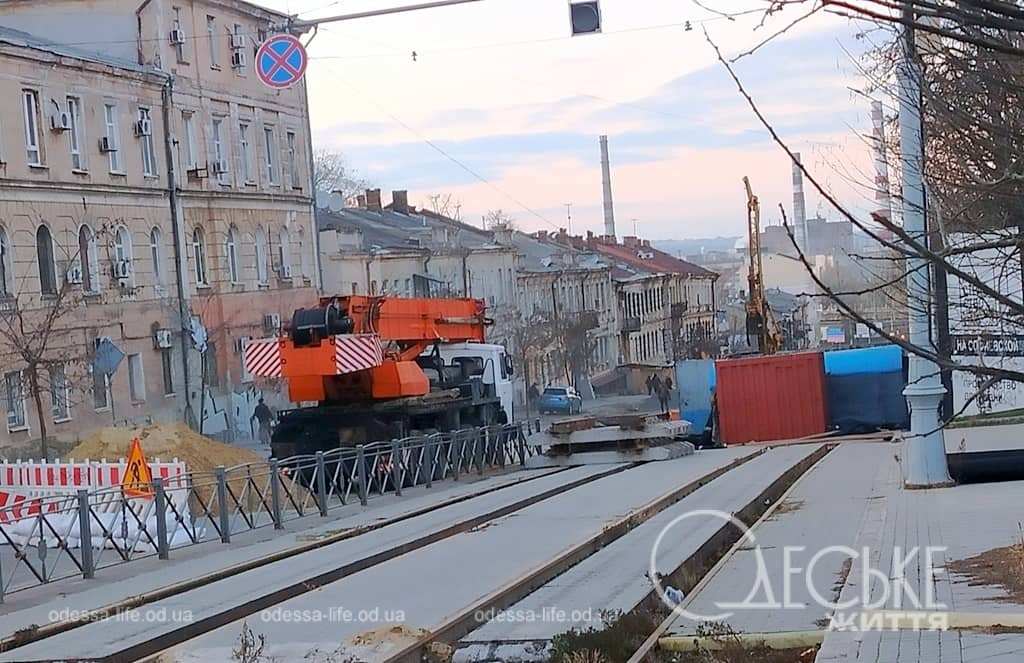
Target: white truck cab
{"type": "Point", "coordinates": [495, 364]}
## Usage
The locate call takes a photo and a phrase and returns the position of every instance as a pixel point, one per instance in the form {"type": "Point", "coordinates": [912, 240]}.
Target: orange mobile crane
{"type": "Point", "coordinates": [376, 368]}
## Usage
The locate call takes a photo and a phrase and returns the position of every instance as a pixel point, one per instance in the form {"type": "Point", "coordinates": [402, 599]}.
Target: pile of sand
{"type": "Point", "coordinates": [166, 442]}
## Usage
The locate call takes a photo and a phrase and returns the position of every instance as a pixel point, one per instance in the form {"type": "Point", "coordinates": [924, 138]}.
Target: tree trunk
{"type": "Point", "coordinates": [37, 398]}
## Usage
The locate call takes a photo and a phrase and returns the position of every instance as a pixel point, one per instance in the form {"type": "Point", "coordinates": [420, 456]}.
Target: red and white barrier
{"type": "Point", "coordinates": [29, 487]}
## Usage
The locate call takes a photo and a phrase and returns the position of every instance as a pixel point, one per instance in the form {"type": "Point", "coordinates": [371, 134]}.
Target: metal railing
{"type": "Point", "coordinates": [52, 538]}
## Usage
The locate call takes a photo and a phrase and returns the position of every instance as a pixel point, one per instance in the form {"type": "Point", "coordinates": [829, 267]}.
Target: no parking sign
{"type": "Point", "coordinates": [281, 61]}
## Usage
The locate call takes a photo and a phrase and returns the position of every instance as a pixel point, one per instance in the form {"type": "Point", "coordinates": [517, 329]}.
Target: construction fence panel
{"type": "Point", "coordinates": [74, 519]}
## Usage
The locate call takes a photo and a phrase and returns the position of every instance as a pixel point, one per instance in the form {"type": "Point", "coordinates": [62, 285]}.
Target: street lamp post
{"type": "Point", "coordinates": [924, 454]}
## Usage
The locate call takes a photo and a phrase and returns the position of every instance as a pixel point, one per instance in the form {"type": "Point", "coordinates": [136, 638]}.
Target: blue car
{"type": "Point", "coordinates": [560, 400]}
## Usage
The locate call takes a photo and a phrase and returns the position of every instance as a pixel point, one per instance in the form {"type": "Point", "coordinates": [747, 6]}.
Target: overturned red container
{"type": "Point", "coordinates": [778, 397]}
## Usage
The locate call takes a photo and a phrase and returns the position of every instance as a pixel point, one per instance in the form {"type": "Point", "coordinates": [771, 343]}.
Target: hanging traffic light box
{"type": "Point", "coordinates": [585, 17]}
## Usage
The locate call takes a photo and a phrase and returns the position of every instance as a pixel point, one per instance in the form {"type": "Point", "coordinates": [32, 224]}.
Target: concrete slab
{"type": "Point", "coordinates": [419, 590]}
{"type": "Point", "coordinates": [984, 438]}
{"type": "Point", "coordinates": [614, 579]}
{"type": "Point", "coordinates": [826, 508]}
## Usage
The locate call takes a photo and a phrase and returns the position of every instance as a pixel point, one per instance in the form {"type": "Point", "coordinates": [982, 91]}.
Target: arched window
{"type": "Point", "coordinates": [231, 252]}
{"type": "Point", "coordinates": [262, 253]}
{"type": "Point", "coordinates": [199, 255]}
{"type": "Point", "coordinates": [47, 267]}
{"type": "Point", "coordinates": [122, 253]}
{"type": "Point", "coordinates": [156, 254]}
{"type": "Point", "coordinates": [284, 253]}
{"type": "Point", "coordinates": [6, 273]}
{"type": "Point", "coordinates": [88, 256]}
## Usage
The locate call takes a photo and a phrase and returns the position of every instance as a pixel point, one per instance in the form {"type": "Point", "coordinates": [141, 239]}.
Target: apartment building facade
{"type": "Point", "coordinates": [169, 189]}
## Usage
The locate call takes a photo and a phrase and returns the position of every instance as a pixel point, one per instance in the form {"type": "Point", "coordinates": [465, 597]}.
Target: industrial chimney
{"type": "Point", "coordinates": [606, 180]}
{"type": "Point", "coordinates": [883, 205]}
{"type": "Point", "coordinates": [799, 206]}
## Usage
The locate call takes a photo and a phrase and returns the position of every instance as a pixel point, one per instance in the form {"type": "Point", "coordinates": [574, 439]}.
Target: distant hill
{"type": "Point", "coordinates": [689, 247]}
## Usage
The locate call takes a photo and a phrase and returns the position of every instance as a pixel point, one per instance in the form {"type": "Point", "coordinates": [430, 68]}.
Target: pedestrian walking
{"type": "Point", "coordinates": [264, 416]}
{"type": "Point", "coordinates": [650, 385]}
{"type": "Point", "coordinates": [663, 396]}
{"type": "Point", "coordinates": [532, 396]}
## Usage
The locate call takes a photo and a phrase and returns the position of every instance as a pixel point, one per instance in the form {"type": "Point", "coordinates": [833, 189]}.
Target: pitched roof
{"type": "Point", "coordinates": [654, 260]}
{"type": "Point", "coordinates": [28, 40]}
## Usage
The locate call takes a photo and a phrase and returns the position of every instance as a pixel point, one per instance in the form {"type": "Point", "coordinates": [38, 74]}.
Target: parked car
{"type": "Point", "coordinates": [560, 400]}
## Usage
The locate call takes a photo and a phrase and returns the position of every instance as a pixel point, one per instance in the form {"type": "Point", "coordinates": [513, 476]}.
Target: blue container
{"type": "Point", "coordinates": [695, 379]}
{"type": "Point", "coordinates": [881, 359]}
{"type": "Point", "coordinates": [865, 389]}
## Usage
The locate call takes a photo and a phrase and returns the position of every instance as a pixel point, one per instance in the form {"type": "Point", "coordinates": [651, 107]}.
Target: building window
{"type": "Point", "coordinates": [47, 267]}
{"type": "Point", "coordinates": [113, 142]}
{"type": "Point", "coordinates": [146, 137]}
{"type": "Point", "coordinates": [156, 254]}
{"type": "Point", "coordinates": [243, 142]}
{"type": "Point", "coordinates": [304, 255]}
{"type": "Point", "coordinates": [284, 253]}
{"type": "Point", "coordinates": [33, 146]}
{"type": "Point", "coordinates": [199, 254]}
{"type": "Point", "coordinates": [293, 165]}
{"type": "Point", "coordinates": [100, 390]}
{"type": "Point", "coordinates": [190, 140]}
{"type": "Point", "coordinates": [268, 148]}
{"type": "Point", "coordinates": [220, 154]}
{"type": "Point", "coordinates": [232, 254]}
{"type": "Point", "coordinates": [136, 380]}
{"type": "Point", "coordinates": [211, 36]}
{"type": "Point", "coordinates": [238, 52]}
{"type": "Point", "coordinates": [15, 394]}
{"type": "Point", "coordinates": [179, 45]}
{"type": "Point", "coordinates": [60, 392]}
{"type": "Point", "coordinates": [88, 253]}
{"type": "Point", "coordinates": [6, 275]}
{"type": "Point", "coordinates": [262, 276]}
{"type": "Point", "coordinates": [75, 136]}
{"type": "Point", "coordinates": [122, 253]}
{"type": "Point", "coordinates": [168, 372]}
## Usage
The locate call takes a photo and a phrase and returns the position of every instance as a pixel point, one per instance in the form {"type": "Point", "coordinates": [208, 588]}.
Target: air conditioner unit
{"type": "Point", "coordinates": [272, 323]}
{"type": "Point", "coordinates": [162, 338]}
{"type": "Point", "coordinates": [144, 128]}
{"type": "Point", "coordinates": [237, 42]}
{"type": "Point", "coordinates": [60, 121]}
{"type": "Point", "coordinates": [240, 344]}
{"type": "Point", "coordinates": [198, 172]}
{"type": "Point", "coordinates": [220, 167]}
{"type": "Point", "coordinates": [108, 144]}
{"type": "Point", "coordinates": [122, 269]}
{"type": "Point", "coordinates": [177, 36]}
{"type": "Point", "coordinates": [238, 59]}
{"type": "Point", "coordinates": [74, 273]}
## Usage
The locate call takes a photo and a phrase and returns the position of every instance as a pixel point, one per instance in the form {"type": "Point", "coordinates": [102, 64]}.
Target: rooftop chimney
{"type": "Point", "coordinates": [799, 205]}
{"type": "Point", "coordinates": [361, 200]}
{"type": "Point", "coordinates": [606, 181]}
{"type": "Point", "coordinates": [883, 205]}
{"type": "Point", "coordinates": [630, 241]}
{"type": "Point", "coordinates": [400, 201]}
{"type": "Point", "coordinates": [373, 201]}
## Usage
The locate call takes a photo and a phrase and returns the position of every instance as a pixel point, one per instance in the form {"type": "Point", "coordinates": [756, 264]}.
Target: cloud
{"type": "Point", "coordinates": [526, 116]}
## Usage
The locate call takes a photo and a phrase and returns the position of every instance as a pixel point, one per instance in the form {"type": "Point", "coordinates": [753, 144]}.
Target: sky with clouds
{"type": "Point", "coordinates": [502, 109]}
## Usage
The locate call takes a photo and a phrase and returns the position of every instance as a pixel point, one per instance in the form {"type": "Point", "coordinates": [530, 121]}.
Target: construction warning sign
{"type": "Point", "coordinates": [138, 478]}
